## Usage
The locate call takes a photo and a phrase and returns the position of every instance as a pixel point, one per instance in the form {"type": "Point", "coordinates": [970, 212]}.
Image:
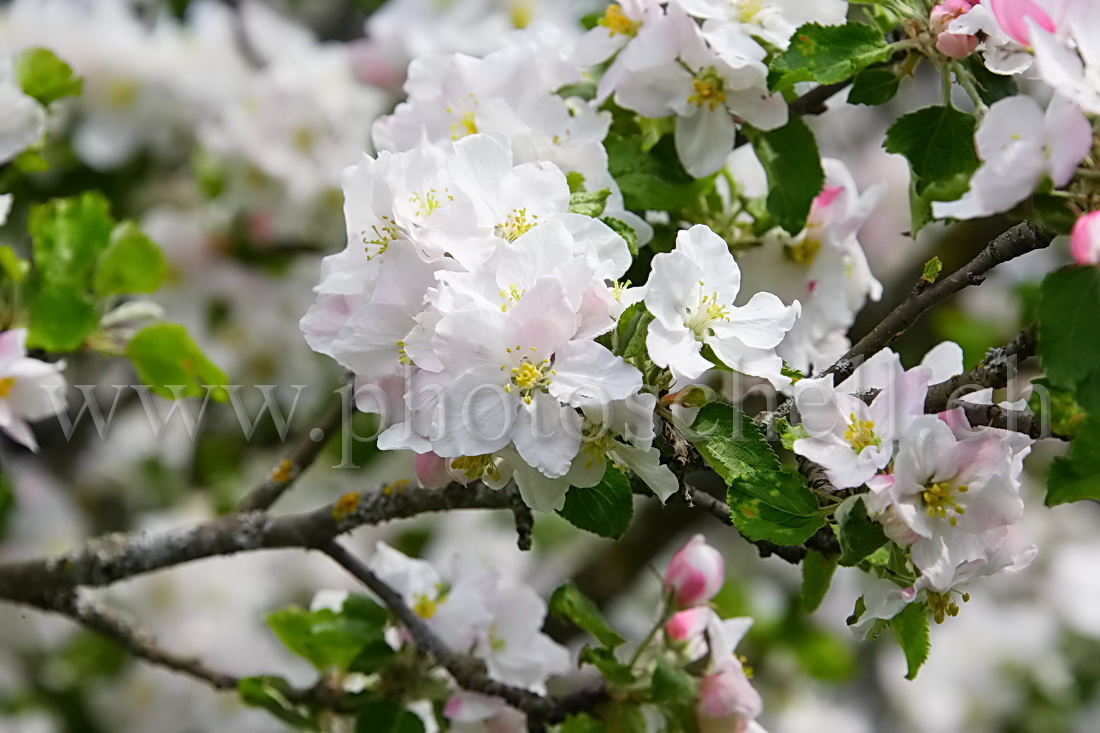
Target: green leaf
{"type": "Point", "coordinates": [776, 506]}
{"type": "Point", "coordinates": [272, 694]}
{"type": "Point", "coordinates": [14, 267]}
{"type": "Point", "coordinates": [575, 179]}
{"type": "Point", "coordinates": [858, 535]}
{"type": "Point", "coordinates": [1077, 476]}
{"type": "Point", "coordinates": [932, 270]}
{"type": "Point", "coordinates": [630, 336]}
{"type": "Point", "coordinates": [60, 320]}
{"type": "Point", "coordinates": [1058, 406]}
{"type": "Point", "coordinates": [328, 640]}
{"type": "Point", "coordinates": [671, 684]}
{"type": "Point", "coordinates": [589, 203]}
{"type": "Point", "coordinates": [874, 87]}
{"type": "Point", "coordinates": [373, 658]}
{"type": "Point", "coordinates": [731, 443]}
{"type": "Point", "coordinates": [991, 87]}
{"type": "Point", "coordinates": [567, 602]}
{"type": "Point", "coordinates": [604, 509]}
{"type": "Point", "coordinates": [133, 263]}
{"type": "Point", "coordinates": [795, 177]}
{"type": "Point", "coordinates": [937, 141]}
{"type": "Point", "coordinates": [1068, 303]}
{"type": "Point", "coordinates": [829, 53]}
{"type": "Point", "coordinates": [625, 231]}
{"type": "Point", "coordinates": [912, 631]}
{"type": "Point", "coordinates": [581, 723]}
{"type": "Point", "coordinates": [610, 668]}
{"type": "Point", "coordinates": [386, 716]}
{"type": "Point", "coordinates": [817, 574]}
{"type": "Point", "coordinates": [165, 356]}
{"type": "Point", "coordinates": [68, 236]}
{"type": "Point", "coordinates": [44, 76]}
{"type": "Point", "coordinates": [651, 179]}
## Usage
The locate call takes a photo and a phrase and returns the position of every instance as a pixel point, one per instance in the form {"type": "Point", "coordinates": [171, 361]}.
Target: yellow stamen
{"type": "Point", "coordinates": [617, 22]}
{"type": "Point", "coordinates": [6, 385]}
{"type": "Point", "coordinates": [708, 89]}
{"type": "Point", "coordinates": [861, 434]}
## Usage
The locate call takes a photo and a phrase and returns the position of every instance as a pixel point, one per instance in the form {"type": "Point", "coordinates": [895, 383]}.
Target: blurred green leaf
{"type": "Point", "coordinates": [272, 694]}
{"type": "Point", "coordinates": [165, 356]}
{"type": "Point", "coordinates": [568, 603]}
{"type": "Point", "coordinates": [790, 157]}
{"type": "Point", "coordinates": [45, 77]}
{"type": "Point", "coordinates": [817, 574]}
{"type": "Point", "coordinates": [385, 716]}
{"type": "Point", "coordinates": [132, 263]}
{"type": "Point", "coordinates": [328, 640]}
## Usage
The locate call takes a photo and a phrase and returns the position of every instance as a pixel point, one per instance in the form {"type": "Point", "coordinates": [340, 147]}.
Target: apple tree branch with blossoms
{"type": "Point", "coordinates": [594, 268]}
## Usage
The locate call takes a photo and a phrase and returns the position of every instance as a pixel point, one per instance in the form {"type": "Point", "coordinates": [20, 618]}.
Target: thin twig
{"type": "Point", "coordinates": [300, 457]}
{"type": "Point", "coordinates": [994, 371]}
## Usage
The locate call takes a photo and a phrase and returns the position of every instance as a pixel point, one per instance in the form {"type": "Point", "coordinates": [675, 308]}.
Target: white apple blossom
{"type": "Point", "coordinates": [23, 120]}
{"type": "Point", "coordinates": [823, 267]}
{"type": "Point", "coordinates": [1019, 147]}
{"type": "Point", "coordinates": [26, 386]}
{"type": "Point", "coordinates": [773, 21]}
{"type": "Point", "coordinates": [849, 438]}
{"type": "Point", "coordinates": [691, 294]}
{"type": "Point", "coordinates": [1071, 65]}
{"type": "Point", "coordinates": [636, 33]}
{"type": "Point", "coordinates": [705, 88]}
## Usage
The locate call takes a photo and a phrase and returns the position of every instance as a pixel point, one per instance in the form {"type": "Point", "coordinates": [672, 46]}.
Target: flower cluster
{"type": "Point", "coordinates": [474, 612]}
{"type": "Point", "coordinates": [700, 60]}
{"type": "Point", "coordinates": [945, 490]}
{"type": "Point", "coordinates": [727, 700]}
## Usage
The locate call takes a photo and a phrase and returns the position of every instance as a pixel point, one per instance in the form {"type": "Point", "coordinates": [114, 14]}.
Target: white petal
{"type": "Point", "coordinates": [704, 139]}
{"type": "Point", "coordinates": [587, 373]}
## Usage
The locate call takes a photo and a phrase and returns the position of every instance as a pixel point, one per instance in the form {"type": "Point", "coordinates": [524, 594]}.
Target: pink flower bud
{"type": "Point", "coordinates": [431, 470]}
{"type": "Point", "coordinates": [1012, 16]}
{"type": "Point", "coordinates": [1084, 242]}
{"type": "Point", "coordinates": [687, 625]}
{"type": "Point", "coordinates": [727, 700]}
{"type": "Point", "coordinates": [952, 45]}
{"type": "Point", "coordinates": [695, 573]}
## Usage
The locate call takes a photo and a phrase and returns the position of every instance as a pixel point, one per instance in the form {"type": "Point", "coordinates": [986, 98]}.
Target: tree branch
{"type": "Point", "coordinates": [300, 457]}
{"type": "Point", "coordinates": [1021, 239]}
{"type": "Point", "coordinates": [107, 559]}
{"type": "Point", "coordinates": [126, 633]}
{"type": "Point", "coordinates": [994, 371]}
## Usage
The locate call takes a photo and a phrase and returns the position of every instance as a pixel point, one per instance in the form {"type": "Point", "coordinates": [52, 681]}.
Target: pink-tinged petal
{"type": "Point", "coordinates": [1084, 242]}
{"type": "Point", "coordinates": [12, 346]}
{"type": "Point", "coordinates": [728, 695]}
{"type": "Point", "coordinates": [688, 624]}
{"type": "Point", "coordinates": [955, 45]}
{"type": "Point", "coordinates": [1013, 14]}
{"type": "Point", "coordinates": [431, 470]}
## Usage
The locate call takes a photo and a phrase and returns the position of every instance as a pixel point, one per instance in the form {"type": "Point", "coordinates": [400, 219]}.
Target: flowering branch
{"type": "Point", "coordinates": [993, 371]}
{"type": "Point", "coordinates": [469, 673]}
{"type": "Point", "coordinates": [1021, 239]}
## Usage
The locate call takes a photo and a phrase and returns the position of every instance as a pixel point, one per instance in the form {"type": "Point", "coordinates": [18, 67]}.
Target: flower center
{"type": "Point", "coordinates": [747, 10]}
{"type": "Point", "coordinates": [942, 605]}
{"type": "Point", "coordinates": [522, 14]}
{"type": "Point", "coordinates": [861, 434]}
{"type": "Point", "coordinates": [511, 296]}
{"type": "Point", "coordinates": [466, 125]}
{"type": "Point", "coordinates": [940, 502]}
{"type": "Point", "coordinates": [303, 139]}
{"type": "Point", "coordinates": [529, 377]}
{"type": "Point", "coordinates": [707, 312]}
{"type": "Point", "coordinates": [805, 252]}
{"type": "Point", "coordinates": [6, 385]}
{"type": "Point", "coordinates": [617, 22]}
{"type": "Point", "coordinates": [708, 89]}
{"type": "Point", "coordinates": [516, 224]}
{"type": "Point", "coordinates": [383, 235]}
{"type": "Point", "coordinates": [402, 356]}
{"type": "Point", "coordinates": [122, 93]}
{"type": "Point", "coordinates": [475, 467]}
{"type": "Point", "coordinates": [428, 203]}
{"type": "Point", "coordinates": [424, 607]}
